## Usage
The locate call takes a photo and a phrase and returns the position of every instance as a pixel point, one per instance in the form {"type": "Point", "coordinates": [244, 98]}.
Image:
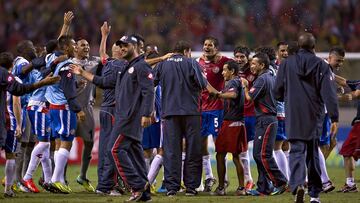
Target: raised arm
{"type": "Point", "coordinates": [68, 17]}
{"type": "Point", "coordinates": [154, 61]}
{"type": "Point", "coordinates": [105, 30]}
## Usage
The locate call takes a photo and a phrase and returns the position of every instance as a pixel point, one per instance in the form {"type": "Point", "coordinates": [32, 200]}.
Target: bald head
{"type": "Point", "coordinates": [306, 41]}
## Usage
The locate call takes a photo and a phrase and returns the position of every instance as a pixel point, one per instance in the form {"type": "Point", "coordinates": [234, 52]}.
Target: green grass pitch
{"type": "Point", "coordinates": [336, 174]}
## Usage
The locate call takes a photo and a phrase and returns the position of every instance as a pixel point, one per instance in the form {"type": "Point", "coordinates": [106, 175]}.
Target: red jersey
{"type": "Point", "coordinates": [249, 108]}
{"type": "Point", "coordinates": [213, 72]}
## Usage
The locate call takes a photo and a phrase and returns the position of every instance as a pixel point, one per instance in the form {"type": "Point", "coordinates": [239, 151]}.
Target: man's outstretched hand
{"type": "Point", "coordinates": [76, 69]}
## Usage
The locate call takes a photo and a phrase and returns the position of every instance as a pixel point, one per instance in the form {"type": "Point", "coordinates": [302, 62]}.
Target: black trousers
{"type": "Point", "coordinates": [264, 141]}
{"type": "Point", "coordinates": [175, 128]}
{"type": "Point", "coordinates": [304, 158]}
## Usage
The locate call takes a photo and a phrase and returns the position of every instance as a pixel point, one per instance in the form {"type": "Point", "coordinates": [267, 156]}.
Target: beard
{"type": "Point", "coordinates": [128, 55]}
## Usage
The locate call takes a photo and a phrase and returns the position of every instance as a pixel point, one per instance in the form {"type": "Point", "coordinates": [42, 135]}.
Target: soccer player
{"type": "Point", "coordinates": [241, 56]}
{"type": "Point", "coordinates": [266, 127]}
{"type": "Point", "coordinates": [328, 141]}
{"type": "Point", "coordinates": [10, 84]}
{"type": "Point", "coordinates": [279, 154]}
{"type": "Point", "coordinates": [336, 60]}
{"type": "Point", "coordinates": [13, 133]}
{"type": "Point", "coordinates": [64, 110]}
{"type": "Point", "coordinates": [305, 82]}
{"type": "Point", "coordinates": [212, 110]}
{"type": "Point", "coordinates": [281, 52]}
{"type": "Point", "coordinates": [232, 135]}
{"type": "Point", "coordinates": [134, 97]}
{"type": "Point", "coordinates": [85, 98]}
{"type": "Point", "coordinates": [351, 146]}
{"type": "Point", "coordinates": [40, 126]}
{"type": "Point", "coordinates": [111, 66]}
{"type": "Point", "coordinates": [26, 52]}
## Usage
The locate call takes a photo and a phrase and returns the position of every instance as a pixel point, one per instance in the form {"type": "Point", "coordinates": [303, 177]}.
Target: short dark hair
{"type": "Point", "coordinates": [213, 39]}
{"type": "Point", "coordinates": [281, 43]}
{"type": "Point", "coordinates": [338, 51]}
{"type": "Point", "coordinates": [263, 58]}
{"type": "Point", "coordinates": [293, 47]}
{"type": "Point", "coordinates": [51, 46]}
{"type": "Point", "coordinates": [242, 49]}
{"type": "Point", "coordinates": [151, 51]}
{"type": "Point", "coordinates": [307, 41]}
{"type": "Point", "coordinates": [64, 40]}
{"type": "Point", "coordinates": [269, 51]}
{"type": "Point", "coordinates": [232, 65]}
{"type": "Point", "coordinates": [6, 60]}
{"type": "Point", "coordinates": [181, 46]}
{"type": "Point", "coordinates": [22, 47]}
{"type": "Point", "coordinates": [139, 38]}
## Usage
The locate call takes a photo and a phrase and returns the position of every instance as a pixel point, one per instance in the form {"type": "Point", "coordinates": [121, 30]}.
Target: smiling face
{"type": "Point", "coordinates": [82, 49]}
{"type": "Point", "coordinates": [227, 74]}
{"type": "Point", "coordinates": [256, 67]}
{"type": "Point", "coordinates": [336, 61]}
{"type": "Point", "coordinates": [241, 59]}
{"type": "Point", "coordinates": [210, 50]}
{"type": "Point", "coordinates": [128, 51]}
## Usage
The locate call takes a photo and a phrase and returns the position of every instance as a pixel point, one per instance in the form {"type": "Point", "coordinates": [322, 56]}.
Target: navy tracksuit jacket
{"type": "Point", "coordinates": [306, 84]}
{"type": "Point", "coordinates": [181, 83]}
{"type": "Point", "coordinates": [134, 96]}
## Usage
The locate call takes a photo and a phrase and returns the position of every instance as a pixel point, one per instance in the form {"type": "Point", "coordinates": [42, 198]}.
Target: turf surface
{"type": "Point", "coordinates": [336, 174]}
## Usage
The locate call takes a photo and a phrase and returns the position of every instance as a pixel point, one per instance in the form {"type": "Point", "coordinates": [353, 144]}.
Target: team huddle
{"type": "Point", "coordinates": [160, 110]}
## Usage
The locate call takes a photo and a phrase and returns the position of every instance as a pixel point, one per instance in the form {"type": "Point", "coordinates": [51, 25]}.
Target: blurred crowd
{"type": "Point", "coordinates": [163, 22]}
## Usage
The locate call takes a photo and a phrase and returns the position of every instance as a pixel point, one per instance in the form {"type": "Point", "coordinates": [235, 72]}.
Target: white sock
{"type": "Point", "coordinates": [245, 159]}
{"type": "Point", "coordinates": [314, 199]}
{"type": "Point", "coordinates": [147, 164]}
{"type": "Point", "coordinates": [282, 163]}
{"type": "Point", "coordinates": [36, 155]}
{"type": "Point", "coordinates": [207, 167]}
{"type": "Point", "coordinates": [9, 173]}
{"type": "Point", "coordinates": [350, 181]}
{"type": "Point", "coordinates": [46, 165]}
{"type": "Point", "coordinates": [183, 156]}
{"type": "Point", "coordinates": [324, 175]}
{"type": "Point", "coordinates": [155, 168]}
{"type": "Point", "coordinates": [61, 158]}
{"type": "Point", "coordinates": [226, 168]}
{"type": "Point", "coordinates": [55, 153]}
{"type": "Point", "coordinates": [287, 154]}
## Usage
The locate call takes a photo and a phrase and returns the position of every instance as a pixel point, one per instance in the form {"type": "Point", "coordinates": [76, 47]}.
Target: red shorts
{"type": "Point", "coordinates": [231, 138]}
{"type": "Point", "coordinates": [352, 143]}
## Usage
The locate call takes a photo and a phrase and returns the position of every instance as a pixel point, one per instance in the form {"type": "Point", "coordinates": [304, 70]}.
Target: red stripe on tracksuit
{"type": "Point", "coordinates": [263, 154]}
{"type": "Point", "coordinates": [114, 152]}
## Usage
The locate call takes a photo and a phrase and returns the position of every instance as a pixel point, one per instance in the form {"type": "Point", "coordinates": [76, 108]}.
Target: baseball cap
{"type": "Point", "coordinates": [126, 39]}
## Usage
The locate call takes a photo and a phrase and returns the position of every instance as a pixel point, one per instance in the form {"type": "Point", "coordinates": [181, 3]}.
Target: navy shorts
{"type": "Point", "coordinates": [281, 134]}
{"type": "Point", "coordinates": [211, 122]}
{"type": "Point", "coordinates": [325, 136]}
{"type": "Point", "coordinates": [152, 136]}
{"type": "Point", "coordinates": [11, 142]}
{"type": "Point", "coordinates": [250, 122]}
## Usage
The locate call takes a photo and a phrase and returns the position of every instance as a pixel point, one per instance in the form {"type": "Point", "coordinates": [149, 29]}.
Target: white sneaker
{"type": "Point", "coordinates": [114, 193]}
{"type": "Point", "coordinates": [200, 188]}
